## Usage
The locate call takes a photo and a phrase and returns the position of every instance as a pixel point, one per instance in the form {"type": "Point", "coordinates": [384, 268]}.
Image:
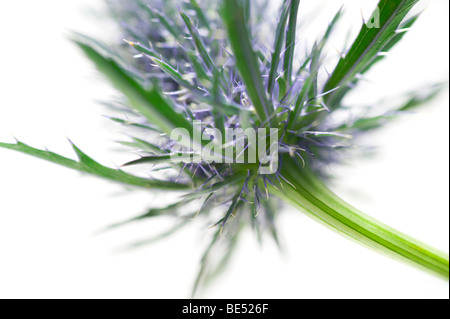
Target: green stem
{"type": "Point", "coordinates": [316, 200]}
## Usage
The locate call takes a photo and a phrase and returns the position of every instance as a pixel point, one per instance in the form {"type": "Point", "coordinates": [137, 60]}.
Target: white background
{"type": "Point", "coordinates": [49, 214]}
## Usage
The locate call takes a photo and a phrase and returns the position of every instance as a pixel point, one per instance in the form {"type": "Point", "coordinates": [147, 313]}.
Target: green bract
{"type": "Point", "coordinates": [197, 67]}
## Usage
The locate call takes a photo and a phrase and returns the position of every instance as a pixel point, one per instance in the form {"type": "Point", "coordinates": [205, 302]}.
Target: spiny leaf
{"type": "Point", "coordinates": [141, 48]}
{"type": "Point", "coordinates": [149, 102]}
{"type": "Point", "coordinates": [223, 261]}
{"type": "Point", "coordinates": [144, 146]}
{"type": "Point", "coordinates": [129, 123]}
{"type": "Point", "coordinates": [197, 66]}
{"type": "Point", "coordinates": [245, 58]}
{"type": "Point", "coordinates": [219, 118]}
{"type": "Point", "coordinates": [270, 216]}
{"type": "Point", "coordinates": [279, 40]}
{"type": "Point", "coordinates": [88, 165]}
{"type": "Point", "coordinates": [234, 205]}
{"type": "Point", "coordinates": [174, 74]}
{"type": "Point", "coordinates": [307, 86]}
{"type": "Point", "coordinates": [304, 93]}
{"type": "Point", "coordinates": [403, 30]}
{"type": "Point", "coordinates": [309, 89]}
{"type": "Point", "coordinates": [205, 204]}
{"type": "Point", "coordinates": [326, 134]}
{"type": "Point", "coordinates": [404, 27]}
{"type": "Point", "coordinates": [369, 43]}
{"type": "Point", "coordinates": [290, 40]}
{"type": "Point", "coordinates": [204, 262]}
{"type": "Point", "coordinates": [184, 221]}
{"type": "Point", "coordinates": [201, 15]}
{"type": "Point", "coordinates": [227, 108]}
{"type": "Point", "coordinates": [199, 43]}
{"type": "Point", "coordinates": [174, 30]}
{"type": "Point", "coordinates": [416, 99]}
{"type": "Point", "coordinates": [218, 103]}
{"type": "Point", "coordinates": [228, 181]}
{"type": "Point", "coordinates": [171, 210]}
{"type": "Point", "coordinates": [101, 47]}
{"type": "Point", "coordinates": [160, 159]}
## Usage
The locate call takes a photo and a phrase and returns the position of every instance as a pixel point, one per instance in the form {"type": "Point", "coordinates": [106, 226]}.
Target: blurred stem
{"type": "Point", "coordinates": [316, 200]}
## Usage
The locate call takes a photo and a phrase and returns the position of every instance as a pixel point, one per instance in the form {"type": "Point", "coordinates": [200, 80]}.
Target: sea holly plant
{"type": "Point", "coordinates": [236, 125]}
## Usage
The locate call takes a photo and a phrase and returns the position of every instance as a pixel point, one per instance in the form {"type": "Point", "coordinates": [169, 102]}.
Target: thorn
{"type": "Point", "coordinates": [402, 30]}
{"type": "Point", "coordinates": [181, 172]}
{"type": "Point", "coordinates": [196, 215]}
{"type": "Point", "coordinates": [195, 172]}
{"type": "Point", "coordinates": [221, 232]}
{"type": "Point", "coordinates": [15, 139]}
{"type": "Point", "coordinates": [339, 52]}
{"type": "Point", "coordinates": [362, 16]}
{"type": "Point", "coordinates": [279, 181]}
{"type": "Point", "coordinates": [301, 157]}
{"type": "Point", "coordinates": [133, 44]}
{"type": "Point", "coordinates": [213, 226]}
{"type": "Point", "coordinates": [267, 190]}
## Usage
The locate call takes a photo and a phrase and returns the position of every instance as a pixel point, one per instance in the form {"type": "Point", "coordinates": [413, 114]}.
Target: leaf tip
{"type": "Point", "coordinates": [131, 43]}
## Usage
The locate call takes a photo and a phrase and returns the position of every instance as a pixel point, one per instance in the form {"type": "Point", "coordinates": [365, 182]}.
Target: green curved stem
{"type": "Point", "coordinates": [316, 200]}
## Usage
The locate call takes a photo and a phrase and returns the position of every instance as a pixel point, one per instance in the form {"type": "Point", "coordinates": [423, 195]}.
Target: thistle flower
{"type": "Point", "coordinates": [184, 68]}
